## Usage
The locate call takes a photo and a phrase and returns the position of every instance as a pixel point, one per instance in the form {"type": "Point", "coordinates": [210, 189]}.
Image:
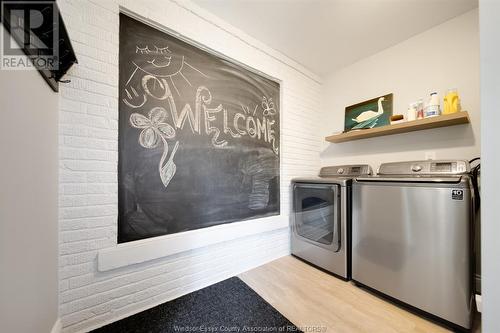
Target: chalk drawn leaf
{"type": "Point", "coordinates": [139, 121]}
{"type": "Point", "coordinates": [166, 130]}
{"type": "Point", "coordinates": [149, 138]}
{"type": "Point", "coordinates": [167, 173]}
{"type": "Point", "coordinates": [168, 169]}
{"type": "Point", "coordinates": [157, 115]}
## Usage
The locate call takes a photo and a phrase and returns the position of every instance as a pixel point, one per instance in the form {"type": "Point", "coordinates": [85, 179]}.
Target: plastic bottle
{"type": "Point", "coordinates": [451, 102]}
{"type": "Point", "coordinates": [420, 109]}
{"type": "Point", "coordinates": [432, 108]}
{"type": "Point", "coordinates": [411, 114]}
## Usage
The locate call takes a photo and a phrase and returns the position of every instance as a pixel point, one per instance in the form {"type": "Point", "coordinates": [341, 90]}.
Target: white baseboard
{"type": "Point", "coordinates": [57, 328]}
{"type": "Point", "coordinates": [479, 303]}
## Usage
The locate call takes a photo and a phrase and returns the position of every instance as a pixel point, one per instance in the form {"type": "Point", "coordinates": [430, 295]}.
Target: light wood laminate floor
{"type": "Point", "coordinates": [314, 299]}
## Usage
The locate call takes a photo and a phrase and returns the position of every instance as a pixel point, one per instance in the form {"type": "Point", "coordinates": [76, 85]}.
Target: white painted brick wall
{"type": "Point", "coordinates": [88, 163]}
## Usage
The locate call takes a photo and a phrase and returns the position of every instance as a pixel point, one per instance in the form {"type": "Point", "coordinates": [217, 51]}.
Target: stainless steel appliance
{"type": "Point", "coordinates": [411, 236]}
{"type": "Point", "coordinates": [320, 217]}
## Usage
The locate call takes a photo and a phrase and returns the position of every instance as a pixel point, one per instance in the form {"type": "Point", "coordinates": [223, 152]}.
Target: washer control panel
{"type": "Point", "coordinates": [429, 167]}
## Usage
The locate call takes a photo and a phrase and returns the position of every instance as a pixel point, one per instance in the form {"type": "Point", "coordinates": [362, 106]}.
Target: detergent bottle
{"type": "Point", "coordinates": [451, 102]}
{"type": "Point", "coordinates": [432, 109]}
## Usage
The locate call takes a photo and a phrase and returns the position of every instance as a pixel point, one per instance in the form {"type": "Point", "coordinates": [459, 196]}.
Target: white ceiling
{"type": "Point", "coordinates": [325, 35]}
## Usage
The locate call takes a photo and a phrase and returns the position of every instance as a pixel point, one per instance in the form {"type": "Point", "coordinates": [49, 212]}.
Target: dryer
{"type": "Point", "coordinates": [321, 217]}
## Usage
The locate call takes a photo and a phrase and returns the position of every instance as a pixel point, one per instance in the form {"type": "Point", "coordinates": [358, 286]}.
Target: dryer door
{"type": "Point", "coordinates": [316, 214]}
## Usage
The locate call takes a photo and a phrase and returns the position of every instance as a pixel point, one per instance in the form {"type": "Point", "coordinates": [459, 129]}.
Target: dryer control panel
{"type": "Point", "coordinates": [346, 170]}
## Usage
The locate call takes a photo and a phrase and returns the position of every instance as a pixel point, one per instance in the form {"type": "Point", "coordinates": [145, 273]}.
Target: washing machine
{"type": "Point", "coordinates": [412, 237]}
{"type": "Point", "coordinates": [321, 217]}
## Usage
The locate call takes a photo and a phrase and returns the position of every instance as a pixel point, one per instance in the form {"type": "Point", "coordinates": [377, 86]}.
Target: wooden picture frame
{"type": "Point", "coordinates": [372, 113]}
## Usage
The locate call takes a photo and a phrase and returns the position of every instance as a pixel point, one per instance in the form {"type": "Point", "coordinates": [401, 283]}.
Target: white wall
{"type": "Point", "coordinates": [88, 164]}
{"type": "Point", "coordinates": [446, 56]}
{"type": "Point", "coordinates": [28, 202]}
{"type": "Point", "coordinates": [490, 185]}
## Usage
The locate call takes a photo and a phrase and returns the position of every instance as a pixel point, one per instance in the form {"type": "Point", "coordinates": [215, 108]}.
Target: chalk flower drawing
{"type": "Point", "coordinates": [154, 131]}
{"type": "Point", "coordinates": [268, 107]}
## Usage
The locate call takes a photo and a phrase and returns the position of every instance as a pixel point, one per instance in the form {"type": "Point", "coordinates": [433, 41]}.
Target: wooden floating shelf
{"type": "Point", "coordinates": [409, 126]}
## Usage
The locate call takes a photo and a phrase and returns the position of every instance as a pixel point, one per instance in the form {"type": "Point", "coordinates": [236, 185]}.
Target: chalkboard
{"type": "Point", "coordinates": [198, 137]}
